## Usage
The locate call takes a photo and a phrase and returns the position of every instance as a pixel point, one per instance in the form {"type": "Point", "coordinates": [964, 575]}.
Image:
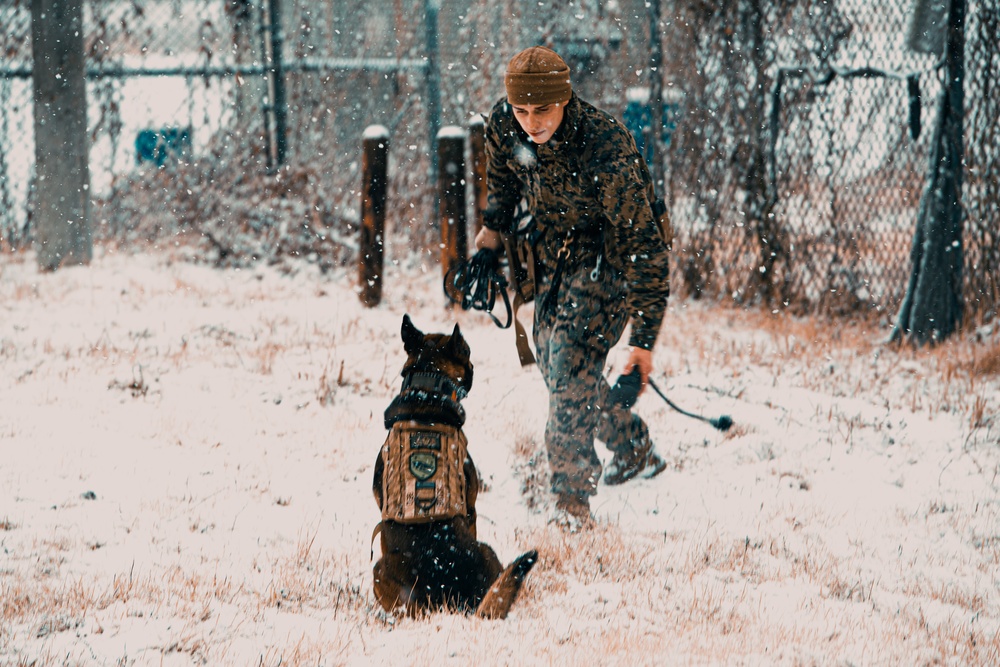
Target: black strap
{"type": "Point", "coordinates": [427, 394]}
{"type": "Point", "coordinates": [476, 283]}
{"type": "Point", "coordinates": [434, 383]}
{"type": "Point", "coordinates": [561, 257]}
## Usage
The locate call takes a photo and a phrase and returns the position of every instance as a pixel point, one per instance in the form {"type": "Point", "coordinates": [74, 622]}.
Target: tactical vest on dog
{"type": "Point", "coordinates": [424, 476]}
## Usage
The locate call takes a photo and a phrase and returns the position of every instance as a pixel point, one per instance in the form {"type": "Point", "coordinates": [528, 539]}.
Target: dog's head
{"type": "Point", "coordinates": [437, 353]}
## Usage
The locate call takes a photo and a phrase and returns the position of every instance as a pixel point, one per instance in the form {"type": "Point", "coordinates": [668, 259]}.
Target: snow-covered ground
{"type": "Point", "coordinates": [186, 458]}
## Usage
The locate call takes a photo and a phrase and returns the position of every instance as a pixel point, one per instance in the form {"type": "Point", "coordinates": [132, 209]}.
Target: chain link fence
{"type": "Point", "coordinates": [982, 187]}
{"type": "Point", "coordinates": [16, 145]}
{"type": "Point", "coordinates": [794, 172]}
{"type": "Point", "coordinates": [811, 201]}
{"type": "Point", "coordinates": [798, 168]}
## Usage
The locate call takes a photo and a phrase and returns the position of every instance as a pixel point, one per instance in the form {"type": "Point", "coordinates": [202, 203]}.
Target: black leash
{"type": "Point", "coordinates": [476, 283]}
{"type": "Point", "coordinates": [626, 393]}
{"type": "Point", "coordinates": [722, 422]}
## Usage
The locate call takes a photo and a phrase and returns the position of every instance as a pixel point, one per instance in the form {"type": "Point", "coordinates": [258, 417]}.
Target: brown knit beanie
{"type": "Point", "coordinates": [537, 75]}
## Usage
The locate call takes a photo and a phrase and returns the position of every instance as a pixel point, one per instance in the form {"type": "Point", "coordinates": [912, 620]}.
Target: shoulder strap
{"type": "Point", "coordinates": [524, 354]}
{"type": "Point", "coordinates": [519, 277]}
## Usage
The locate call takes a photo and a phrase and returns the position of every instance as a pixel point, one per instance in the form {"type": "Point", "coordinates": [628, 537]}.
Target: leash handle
{"type": "Point", "coordinates": [627, 387]}
{"type": "Point", "coordinates": [625, 393]}
{"type": "Point", "coordinates": [723, 422]}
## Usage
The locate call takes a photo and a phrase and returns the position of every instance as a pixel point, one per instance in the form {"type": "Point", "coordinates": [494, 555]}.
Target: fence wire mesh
{"type": "Point", "coordinates": [810, 202]}
{"type": "Point", "coordinates": [797, 172]}
{"type": "Point", "coordinates": [794, 172]}
{"type": "Point", "coordinates": [16, 132]}
{"type": "Point", "coordinates": [982, 186]}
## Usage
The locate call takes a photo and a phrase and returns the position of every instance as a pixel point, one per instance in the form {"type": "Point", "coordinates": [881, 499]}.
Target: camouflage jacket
{"type": "Point", "coordinates": [590, 182]}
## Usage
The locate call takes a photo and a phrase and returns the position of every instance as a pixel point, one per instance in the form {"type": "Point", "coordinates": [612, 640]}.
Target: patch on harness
{"type": "Point", "coordinates": [423, 465]}
{"type": "Point", "coordinates": [425, 440]}
{"type": "Point", "coordinates": [424, 475]}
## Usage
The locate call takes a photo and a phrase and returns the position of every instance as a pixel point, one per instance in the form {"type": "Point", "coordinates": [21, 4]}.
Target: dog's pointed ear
{"type": "Point", "coordinates": [413, 338]}
{"type": "Point", "coordinates": [459, 349]}
{"type": "Point", "coordinates": [458, 345]}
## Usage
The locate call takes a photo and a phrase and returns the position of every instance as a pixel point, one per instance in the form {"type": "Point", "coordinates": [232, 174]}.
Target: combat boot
{"type": "Point", "coordinates": [639, 460]}
{"type": "Point", "coordinates": [573, 512]}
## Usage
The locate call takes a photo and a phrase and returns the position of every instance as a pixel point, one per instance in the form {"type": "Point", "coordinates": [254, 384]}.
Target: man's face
{"type": "Point", "coordinates": [540, 121]}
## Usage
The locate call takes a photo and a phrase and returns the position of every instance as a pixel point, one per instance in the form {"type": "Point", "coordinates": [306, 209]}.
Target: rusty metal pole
{"type": "Point", "coordinates": [451, 206]}
{"type": "Point", "coordinates": [477, 155]}
{"type": "Point", "coordinates": [374, 182]}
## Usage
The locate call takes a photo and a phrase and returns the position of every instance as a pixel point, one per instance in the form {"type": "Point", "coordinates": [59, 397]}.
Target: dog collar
{"type": "Point", "coordinates": [433, 383]}
{"type": "Point", "coordinates": [428, 397]}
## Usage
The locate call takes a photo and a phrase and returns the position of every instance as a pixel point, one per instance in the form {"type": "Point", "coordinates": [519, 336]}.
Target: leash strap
{"type": "Point", "coordinates": [475, 284]}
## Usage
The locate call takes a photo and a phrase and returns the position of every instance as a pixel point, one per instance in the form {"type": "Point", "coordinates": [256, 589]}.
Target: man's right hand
{"type": "Point", "coordinates": [487, 238]}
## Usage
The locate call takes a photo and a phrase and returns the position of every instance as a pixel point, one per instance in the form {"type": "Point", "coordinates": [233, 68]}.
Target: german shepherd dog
{"type": "Point", "coordinates": [426, 485]}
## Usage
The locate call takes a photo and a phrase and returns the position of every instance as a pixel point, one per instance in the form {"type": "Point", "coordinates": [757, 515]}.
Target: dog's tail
{"type": "Point", "coordinates": [499, 599]}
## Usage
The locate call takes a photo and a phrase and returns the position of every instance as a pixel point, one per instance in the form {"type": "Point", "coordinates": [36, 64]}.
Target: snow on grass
{"type": "Point", "coordinates": [186, 480]}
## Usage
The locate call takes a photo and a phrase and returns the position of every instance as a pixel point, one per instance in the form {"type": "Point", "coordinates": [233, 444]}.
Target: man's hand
{"type": "Point", "coordinates": [644, 360]}
{"type": "Point", "coordinates": [487, 238]}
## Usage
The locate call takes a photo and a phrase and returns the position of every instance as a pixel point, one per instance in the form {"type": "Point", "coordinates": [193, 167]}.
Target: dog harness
{"type": "Point", "coordinates": [424, 475]}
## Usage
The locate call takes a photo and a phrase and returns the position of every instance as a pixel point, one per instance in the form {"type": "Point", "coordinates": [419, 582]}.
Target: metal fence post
{"type": "Point", "coordinates": [431, 8]}
{"type": "Point", "coordinates": [374, 183]}
{"type": "Point", "coordinates": [451, 186]}
{"type": "Point", "coordinates": [656, 97]}
{"type": "Point", "coordinates": [276, 76]}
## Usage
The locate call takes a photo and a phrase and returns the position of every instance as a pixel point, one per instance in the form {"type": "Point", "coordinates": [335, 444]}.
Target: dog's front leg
{"type": "Point", "coordinates": [471, 493]}
{"type": "Point", "coordinates": [391, 592]}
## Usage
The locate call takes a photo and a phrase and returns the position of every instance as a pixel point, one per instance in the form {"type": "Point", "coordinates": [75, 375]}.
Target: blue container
{"type": "Point", "coordinates": [157, 145]}
{"type": "Point", "coordinates": [638, 118]}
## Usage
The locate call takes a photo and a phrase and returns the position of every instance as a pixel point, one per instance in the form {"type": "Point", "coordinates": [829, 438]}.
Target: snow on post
{"type": "Point", "coordinates": [451, 132]}
{"type": "Point", "coordinates": [637, 94]}
{"type": "Point", "coordinates": [376, 132]}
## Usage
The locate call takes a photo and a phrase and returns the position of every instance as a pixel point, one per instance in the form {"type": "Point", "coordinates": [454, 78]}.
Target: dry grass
{"type": "Point", "coordinates": [822, 531]}
{"type": "Point", "coordinates": [327, 390]}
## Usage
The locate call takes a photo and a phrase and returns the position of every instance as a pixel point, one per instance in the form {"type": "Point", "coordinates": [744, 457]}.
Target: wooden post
{"type": "Point", "coordinates": [62, 195]}
{"type": "Point", "coordinates": [477, 155]}
{"type": "Point", "coordinates": [374, 168]}
{"type": "Point", "coordinates": [451, 181]}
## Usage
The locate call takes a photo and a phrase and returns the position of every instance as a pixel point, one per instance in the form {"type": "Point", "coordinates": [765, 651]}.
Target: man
{"type": "Point", "coordinates": [601, 258]}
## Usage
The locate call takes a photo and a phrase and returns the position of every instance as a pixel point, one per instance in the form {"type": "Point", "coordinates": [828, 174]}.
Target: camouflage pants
{"type": "Point", "coordinates": [572, 340]}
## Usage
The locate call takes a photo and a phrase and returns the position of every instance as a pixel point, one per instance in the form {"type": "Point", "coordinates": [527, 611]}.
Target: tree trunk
{"type": "Point", "coordinates": [62, 208]}
{"type": "Point", "coordinates": [932, 307]}
{"type": "Point", "coordinates": [753, 158]}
